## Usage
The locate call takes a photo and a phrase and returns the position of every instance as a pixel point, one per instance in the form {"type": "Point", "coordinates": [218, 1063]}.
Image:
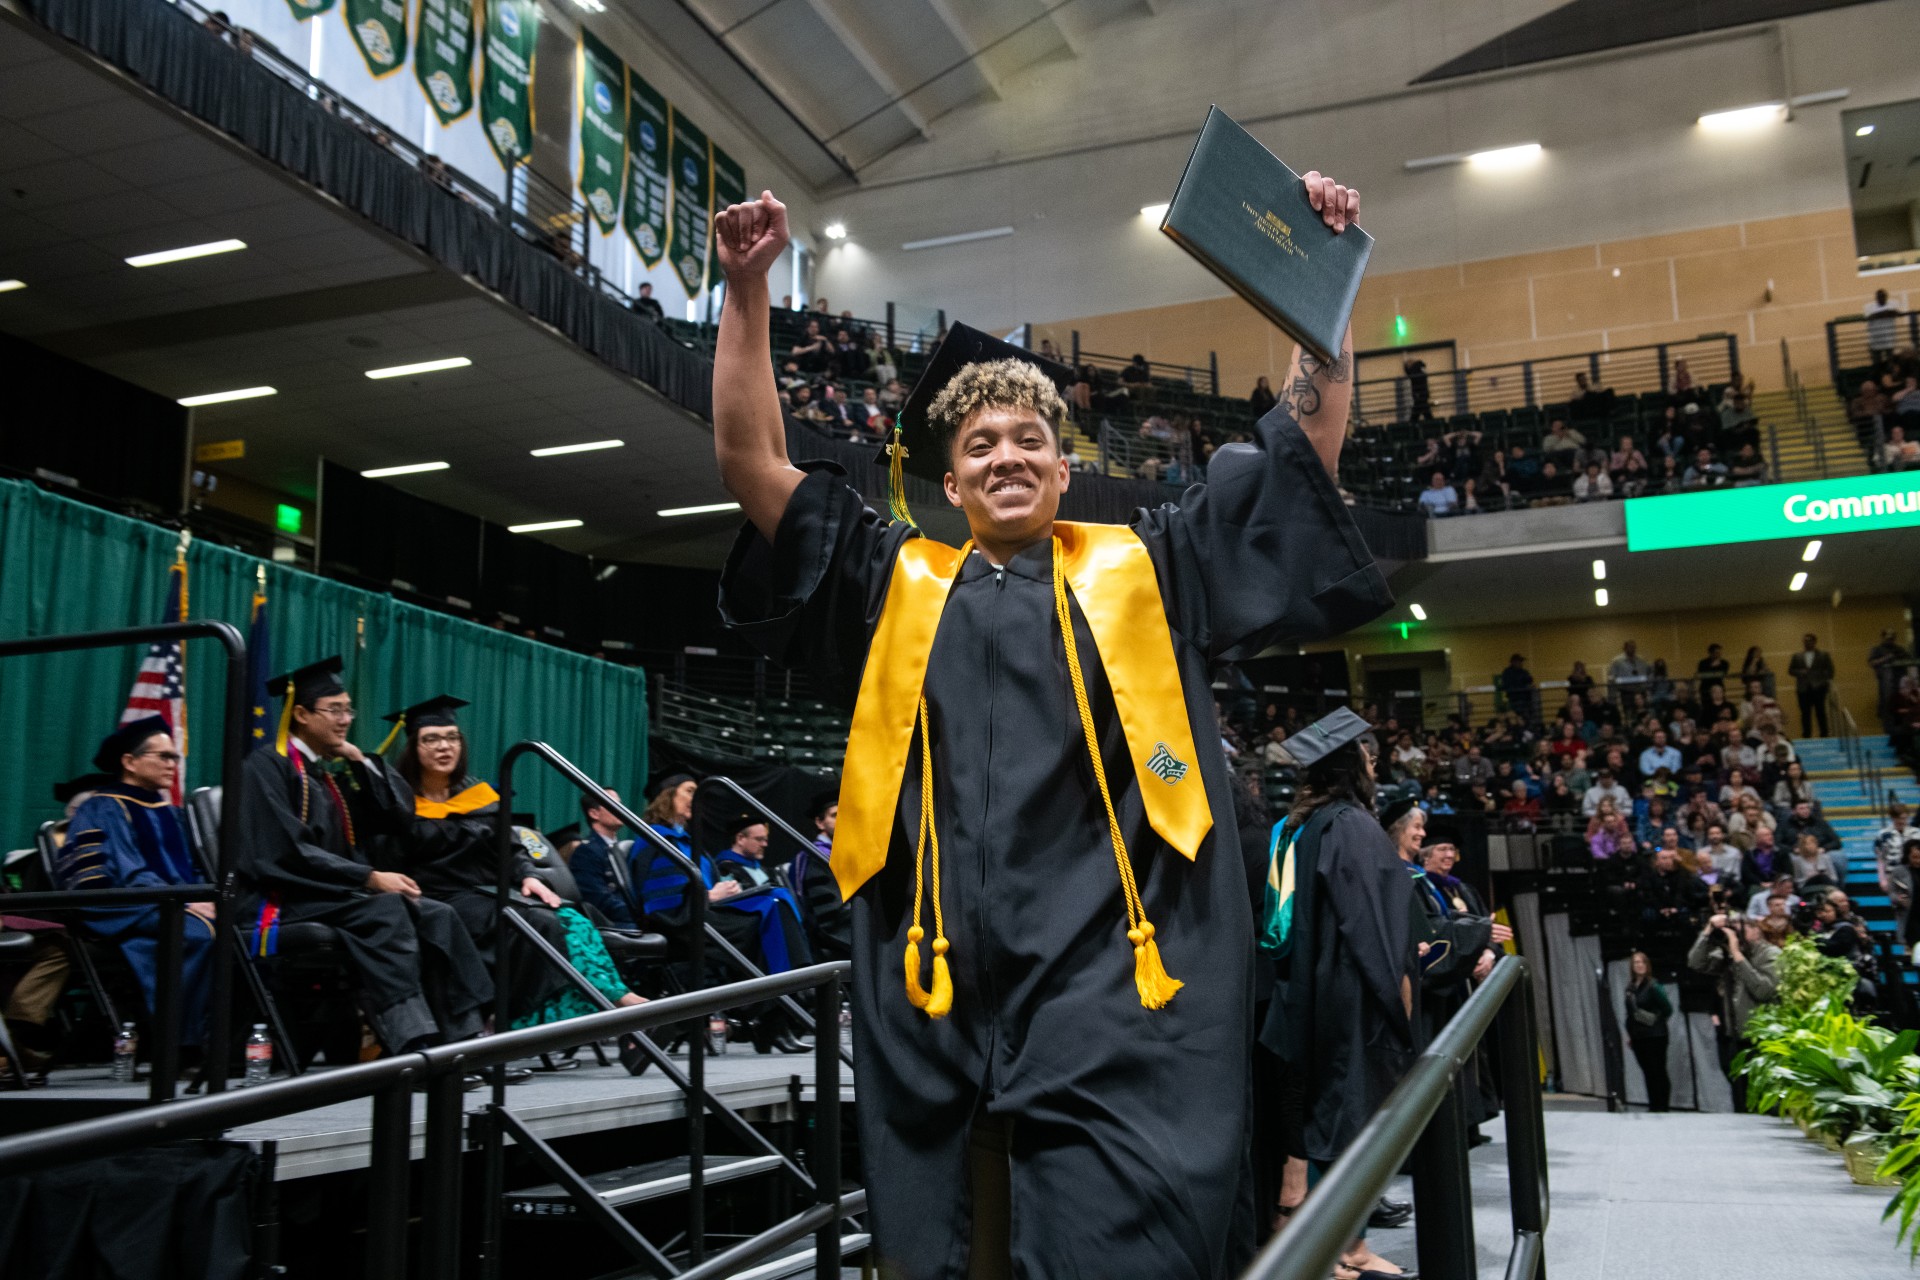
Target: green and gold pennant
{"type": "Point", "coordinates": [304, 9]}
{"type": "Point", "coordinates": [729, 181]}
{"type": "Point", "coordinates": [443, 32]}
{"type": "Point", "coordinates": [602, 78]}
{"type": "Point", "coordinates": [379, 32]}
{"type": "Point", "coordinates": [692, 170]}
{"type": "Point", "coordinates": [508, 38]}
{"type": "Point", "coordinates": [645, 214]}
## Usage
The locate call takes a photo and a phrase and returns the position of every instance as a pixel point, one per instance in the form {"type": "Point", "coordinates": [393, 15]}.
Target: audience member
{"type": "Point", "coordinates": [645, 304]}
{"type": "Point", "coordinates": [1812, 672]}
{"type": "Point", "coordinates": [1439, 498]}
{"type": "Point", "coordinates": [1647, 1011]}
{"type": "Point", "coordinates": [1812, 867]}
{"type": "Point", "coordinates": [1741, 962]}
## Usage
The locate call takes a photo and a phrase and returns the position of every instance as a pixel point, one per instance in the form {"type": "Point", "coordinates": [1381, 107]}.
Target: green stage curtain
{"type": "Point", "coordinates": [66, 567]}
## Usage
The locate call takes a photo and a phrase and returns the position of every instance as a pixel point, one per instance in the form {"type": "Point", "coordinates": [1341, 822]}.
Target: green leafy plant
{"type": "Point", "coordinates": [1809, 979]}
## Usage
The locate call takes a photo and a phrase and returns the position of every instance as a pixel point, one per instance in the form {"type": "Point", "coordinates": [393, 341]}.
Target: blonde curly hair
{"type": "Point", "coordinates": [996, 384]}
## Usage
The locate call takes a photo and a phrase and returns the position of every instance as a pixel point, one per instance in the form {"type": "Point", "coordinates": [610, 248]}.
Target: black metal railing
{"type": "Point", "coordinates": [164, 1075]}
{"type": "Point", "coordinates": [1853, 340]}
{"type": "Point", "coordinates": [1422, 1118]}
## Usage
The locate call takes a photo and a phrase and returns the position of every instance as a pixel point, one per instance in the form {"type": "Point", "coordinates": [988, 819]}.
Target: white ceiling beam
{"type": "Point", "coordinates": [844, 32]}
{"type": "Point", "coordinates": [968, 45]}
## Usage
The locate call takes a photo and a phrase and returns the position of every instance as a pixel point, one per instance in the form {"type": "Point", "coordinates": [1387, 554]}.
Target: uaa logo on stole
{"type": "Point", "coordinates": [1165, 765]}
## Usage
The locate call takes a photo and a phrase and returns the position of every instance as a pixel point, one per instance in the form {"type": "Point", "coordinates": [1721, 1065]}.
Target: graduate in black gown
{"type": "Point", "coordinates": [1343, 930]}
{"type": "Point", "coordinates": [128, 835]}
{"type": "Point", "coordinates": [308, 807]}
{"type": "Point", "coordinates": [447, 846]}
{"type": "Point", "coordinates": [1046, 1075]}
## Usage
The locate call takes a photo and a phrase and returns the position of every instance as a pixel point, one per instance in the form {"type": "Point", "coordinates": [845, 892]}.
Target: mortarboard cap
{"type": "Point", "coordinates": [742, 821]}
{"type": "Point", "coordinates": [1396, 811]}
{"type": "Point", "coordinates": [822, 802]}
{"type": "Point", "coordinates": [1325, 736]}
{"type": "Point", "coordinates": [667, 780]}
{"type": "Point", "coordinates": [312, 682]}
{"type": "Point", "coordinates": [64, 792]}
{"type": "Point", "coordinates": [437, 710]}
{"type": "Point", "coordinates": [926, 444]}
{"type": "Point", "coordinates": [124, 740]}
{"type": "Point", "coordinates": [569, 834]}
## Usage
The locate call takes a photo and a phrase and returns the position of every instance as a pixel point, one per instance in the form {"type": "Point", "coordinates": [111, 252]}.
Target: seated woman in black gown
{"type": "Point", "coordinates": [448, 848]}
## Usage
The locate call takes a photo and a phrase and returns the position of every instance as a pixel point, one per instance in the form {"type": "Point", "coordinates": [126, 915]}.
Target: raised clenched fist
{"type": "Point", "coordinates": [749, 237]}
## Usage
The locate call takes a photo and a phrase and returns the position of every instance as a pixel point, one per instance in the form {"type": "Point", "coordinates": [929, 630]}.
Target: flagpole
{"type": "Point", "coordinates": [180, 745]}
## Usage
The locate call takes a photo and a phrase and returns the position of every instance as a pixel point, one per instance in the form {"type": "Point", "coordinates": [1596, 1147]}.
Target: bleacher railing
{"type": "Point", "coordinates": [1202, 378]}
{"type": "Point", "coordinates": [1852, 340]}
{"type": "Point", "coordinates": [1422, 1118]}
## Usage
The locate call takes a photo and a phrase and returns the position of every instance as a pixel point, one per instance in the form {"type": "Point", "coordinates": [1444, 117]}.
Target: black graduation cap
{"type": "Point", "coordinates": [667, 780]}
{"type": "Point", "coordinates": [1325, 736]}
{"type": "Point", "coordinates": [64, 792]}
{"type": "Point", "coordinates": [312, 682]}
{"type": "Point", "coordinates": [531, 821]}
{"type": "Point", "coordinates": [740, 822]}
{"type": "Point", "coordinates": [437, 710]}
{"type": "Point", "coordinates": [562, 836]}
{"type": "Point", "coordinates": [1396, 811]}
{"type": "Point", "coordinates": [822, 802]}
{"type": "Point", "coordinates": [124, 740]}
{"type": "Point", "coordinates": [926, 452]}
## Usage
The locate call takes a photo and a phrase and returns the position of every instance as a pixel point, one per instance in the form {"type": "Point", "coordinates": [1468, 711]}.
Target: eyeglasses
{"type": "Point", "coordinates": [335, 713]}
{"type": "Point", "coordinates": [171, 757]}
{"type": "Point", "coordinates": [453, 739]}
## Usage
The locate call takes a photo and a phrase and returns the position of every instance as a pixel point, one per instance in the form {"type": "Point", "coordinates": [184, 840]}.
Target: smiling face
{"type": "Point", "coordinates": [1007, 474]}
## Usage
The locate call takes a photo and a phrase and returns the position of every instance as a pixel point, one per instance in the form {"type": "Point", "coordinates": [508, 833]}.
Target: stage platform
{"type": "Point", "coordinates": [590, 1099]}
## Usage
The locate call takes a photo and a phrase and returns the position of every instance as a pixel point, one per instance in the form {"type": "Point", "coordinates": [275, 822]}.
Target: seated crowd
{"type": "Point", "coordinates": [1885, 408]}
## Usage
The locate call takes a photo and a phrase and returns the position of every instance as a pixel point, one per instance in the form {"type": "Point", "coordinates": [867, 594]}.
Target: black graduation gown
{"type": "Point", "coordinates": [1128, 1125]}
{"type": "Point", "coordinates": [1467, 930]}
{"type": "Point", "coordinates": [419, 972]}
{"type": "Point", "coordinates": [1337, 1019]}
{"type": "Point", "coordinates": [452, 860]}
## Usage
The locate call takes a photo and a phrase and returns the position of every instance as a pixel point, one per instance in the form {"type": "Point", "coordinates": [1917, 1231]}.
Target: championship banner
{"type": "Point", "coordinates": [443, 56]}
{"type": "Point", "coordinates": [729, 181]}
{"type": "Point", "coordinates": [603, 130]}
{"type": "Point", "coordinates": [512, 28]}
{"type": "Point", "coordinates": [645, 215]}
{"type": "Point", "coordinates": [304, 9]}
{"type": "Point", "coordinates": [379, 31]}
{"type": "Point", "coordinates": [692, 194]}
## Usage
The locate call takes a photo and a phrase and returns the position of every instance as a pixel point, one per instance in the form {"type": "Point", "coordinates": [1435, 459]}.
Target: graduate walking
{"type": "Point", "coordinates": [1052, 969]}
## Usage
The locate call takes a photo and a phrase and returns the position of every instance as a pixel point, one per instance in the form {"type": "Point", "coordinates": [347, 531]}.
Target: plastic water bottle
{"type": "Point", "coordinates": [259, 1055]}
{"type": "Point", "coordinates": [717, 1033]}
{"type": "Point", "coordinates": [126, 1048]}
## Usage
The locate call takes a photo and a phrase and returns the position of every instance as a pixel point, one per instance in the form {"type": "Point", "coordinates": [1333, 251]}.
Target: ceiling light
{"type": "Point", "coordinates": [181, 255]}
{"type": "Point", "coordinates": [1153, 212]}
{"type": "Point", "coordinates": [590, 6]}
{"type": "Point", "coordinates": [554, 451]}
{"type": "Point", "coordinates": [1417, 612]}
{"type": "Point", "coordinates": [1505, 157]}
{"type": "Point", "coordinates": [1812, 552]}
{"type": "Point", "coordinates": [1799, 581]}
{"type": "Point", "coordinates": [425, 366]}
{"type": "Point", "coordinates": [410, 469]}
{"type": "Point", "coordinates": [1741, 119]}
{"type": "Point", "coordinates": [1599, 570]}
{"type": "Point", "coordinates": [8, 286]}
{"type": "Point", "coordinates": [836, 231]}
{"type": "Point", "coordinates": [1863, 131]}
{"type": "Point", "coordinates": [1600, 596]}
{"type": "Point", "coordinates": [221, 397]}
{"type": "Point", "coordinates": [710, 509]}
{"type": "Point", "coordinates": [991, 233]}
{"type": "Point", "coordinates": [541, 526]}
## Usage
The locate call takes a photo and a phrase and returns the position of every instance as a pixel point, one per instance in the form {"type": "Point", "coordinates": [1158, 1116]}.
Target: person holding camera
{"type": "Point", "coordinates": [1741, 961]}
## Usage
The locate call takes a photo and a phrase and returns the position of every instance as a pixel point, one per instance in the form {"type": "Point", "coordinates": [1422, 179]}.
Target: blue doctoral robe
{"type": "Point", "coordinates": [128, 837]}
{"type": "Point", "coordinates": [763, 921]}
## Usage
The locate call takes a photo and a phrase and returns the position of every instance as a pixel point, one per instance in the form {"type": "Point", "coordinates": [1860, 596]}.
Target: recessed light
{"type": "Point", "coordinates": [1153, 212]}
{"type": "Point", "coordinates": [1812, 552]}
{"type": "Point", "coordinates": [221, 397]}
{"type": "Point", "coordinates": [710, 509]}
{"type": "Point", "coordinates": [1599, 570]}
{"type": "Point", "coordinates": [1600, 596]}
{"type": "Point", "coordinates": [425, 366]}
{"type": "Point", "coordinates": [1799, 581]}
{"type": "Point", "coordinates": [8, 286]}
{"type": "Point", "coordinates": [554, 451]}
{"type": "Point", "coordinates": [190, 251]}
{"type": "Point", "coordinates": [1505, 157]}
{"type": "Point", "coordinates": [1741, 119]}
{"type": "Point", "coordinates": [836, 231]}
{"type": "Point", "coordinates": [1863, 131]}
{"type": "Point", "coordinates": [541, 526]}
{"type": "Point", "coordinates": [409, 469]}
{"type": "Point", "coordinates": [1417, 612]}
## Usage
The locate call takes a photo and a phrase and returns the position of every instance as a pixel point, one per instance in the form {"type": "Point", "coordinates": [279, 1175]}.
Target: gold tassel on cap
{"type": "Point", "coordinates": [939, 1002]}
{"type": "Point", "coordinates": [399, 726]}
{"type": "Point", "coordinates": [897, 479]}
{"type": "Point", "coordinates": [286, 722]}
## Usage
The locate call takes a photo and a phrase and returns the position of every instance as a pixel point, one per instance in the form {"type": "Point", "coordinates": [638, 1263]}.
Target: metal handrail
{"type": "Point", "coordinates": [1422, 1118]}
{"type": "Point", "coordinates": [233, 747]}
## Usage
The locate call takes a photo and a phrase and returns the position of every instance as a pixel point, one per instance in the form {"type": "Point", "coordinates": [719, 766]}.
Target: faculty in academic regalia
{"type": "Point", "coordinates": [128, 835]}
{"type": "Point", "coordinates": [307, 810]}
{"type": "Point", "coordinates": [447, 847]}
{"type": "Point", "coordinates": [828, 919]}
{"type": "Point", "coordinates": [1045, 809]}
{"type": "Point", "coordinates": [1342, 931]}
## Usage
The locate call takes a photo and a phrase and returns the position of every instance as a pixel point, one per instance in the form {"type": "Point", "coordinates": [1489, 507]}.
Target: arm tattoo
{"type": "Point", "coordinates": [1302, 392]}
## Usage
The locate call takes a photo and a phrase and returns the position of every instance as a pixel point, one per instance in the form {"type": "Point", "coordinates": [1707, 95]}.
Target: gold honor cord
{"type": "Point", "coordinates": [940, 1002]}
{"type": "Point", "coordinates": [1150, 976]}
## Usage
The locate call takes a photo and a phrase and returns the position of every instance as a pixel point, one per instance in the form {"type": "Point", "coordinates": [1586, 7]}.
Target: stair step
{"type": "Point", "coordinates": [802, 1263]}
{"type": "Point", "coordinates": [634, 1184]}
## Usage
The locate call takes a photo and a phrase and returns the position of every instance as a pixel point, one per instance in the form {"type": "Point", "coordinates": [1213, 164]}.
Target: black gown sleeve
{"type": "Point", "coordinates": [1265, 551]}
{"type": "Point", "coordinates": [275, 849]}
{"type": "Point", "coordinates": [1370, 896]}
{"type": "Point", "coordinates": [812, 597]}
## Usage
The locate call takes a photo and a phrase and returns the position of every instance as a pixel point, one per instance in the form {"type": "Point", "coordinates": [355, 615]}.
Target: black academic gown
{"type": "Point", "coordinates": [1128, 1125]}
{"type": "Point", "coordinates": [453, 861]}
{"type": "Point", "coordinates": [1338, 1020]}
{"type": "Point", "coordinates": [420, 975]}
{"type": "Point", "coordinates": [1457, 915]}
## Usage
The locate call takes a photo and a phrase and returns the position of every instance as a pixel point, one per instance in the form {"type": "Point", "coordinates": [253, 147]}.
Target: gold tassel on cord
{"type": "Point", "coordinates": [939, 1002]}
{"type": "Point", "coordinates": [399, 727]}
{"type": "Point", "coordinates": [897, 479]}
{"type": "Point", "coordinates": [286, 722]}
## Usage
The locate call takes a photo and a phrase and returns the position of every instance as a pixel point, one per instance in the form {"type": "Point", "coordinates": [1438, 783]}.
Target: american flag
{"type": "Point", "coordinates": [160, 686]}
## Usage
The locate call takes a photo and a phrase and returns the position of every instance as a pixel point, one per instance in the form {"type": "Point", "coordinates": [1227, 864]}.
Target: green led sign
{"type": "Point", "coordinates": [287, 518]}
{"type": "Point", "coordinates": [1816, 509]}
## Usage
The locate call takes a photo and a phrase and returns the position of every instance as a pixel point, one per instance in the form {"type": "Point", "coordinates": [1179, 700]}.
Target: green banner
{"type": "Point", "coordinates": [692, 194]}
{"type": "Point", "coordinates": [603, 130]}
{"type": "Point", "coordinates": [511, 30]}
{"type": "Point", "coordinates": [443, 56]}
{"type": "Point", "coordinates": [645, 215]}
{"type": "Point", "coordinates": [1815, 509]}
{"type": "Point", "coordinates": [304, 9]}
{"type": "Point", "coordinates": [379, 31]}
{"type": "Point", "coordinates": [729, 181]}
